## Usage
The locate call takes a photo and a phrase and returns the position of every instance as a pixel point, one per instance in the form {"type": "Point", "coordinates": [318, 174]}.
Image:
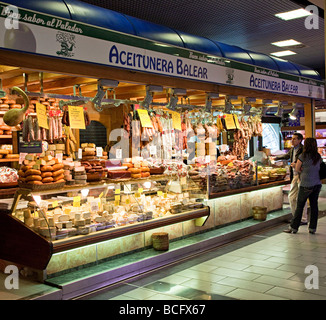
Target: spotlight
{"type": "Point", "coordinates": [293, 114]}
{"type": "Point", "coordinates": [279, 112]}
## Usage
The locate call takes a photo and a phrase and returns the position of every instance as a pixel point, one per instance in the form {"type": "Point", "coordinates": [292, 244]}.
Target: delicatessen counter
{"type": "Point", "coordinates": [79, 204]}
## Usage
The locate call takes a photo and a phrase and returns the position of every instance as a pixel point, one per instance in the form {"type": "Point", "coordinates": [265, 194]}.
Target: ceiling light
{"type": "Point", "coordinates": [294, 14]}
{"type": "Point", "coordinates": [279, 112]}
{"type": "Point", "coordinates": [293, 114]}
{"type": "Point", "coordinates": [286, 43]}
{"type": "Point", "coordinates": [283, 53]}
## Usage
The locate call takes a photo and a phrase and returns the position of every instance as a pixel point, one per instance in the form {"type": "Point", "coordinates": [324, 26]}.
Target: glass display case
{"type": "Point", "coordinates": [75, 216]}
{"type": "Point", "coordinates": [235, 176]}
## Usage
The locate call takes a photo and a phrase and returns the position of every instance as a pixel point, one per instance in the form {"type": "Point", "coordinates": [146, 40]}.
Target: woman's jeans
{"type": "Point", "coordinates": [305, 193]}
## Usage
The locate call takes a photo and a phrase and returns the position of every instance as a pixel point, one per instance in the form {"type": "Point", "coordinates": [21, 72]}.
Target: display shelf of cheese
{"type": "Point", "coordinates": [75, 216]}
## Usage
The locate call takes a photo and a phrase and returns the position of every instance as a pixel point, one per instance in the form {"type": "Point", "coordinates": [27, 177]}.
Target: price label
{"type": "Point", "coordinates": [94, 206]}
{"type": "Point", "coordinates": [118, 154]}
{"type": "Point", "coordinates": [76, 204]}
{"type": "Point", "coordinates": [176, 120]}
{"type": "Point", "coordinates": [144, 118]}
{"type": "Point", "coordinates": [140, 190]}
{"type": "Point", "coordinates": [22, 157]}
{"type": "Point", "coordinates": [152, 150]}
{"type": "Point", "coordinates": [76, 117]}
{"type": "Point", "coordinates": [127, 201]}
{"type": "Point", "coordinates": [76, 199]}
{"type": "Point", "coordinates": [99, 151]}
{"type": "Point", "coordinates": [229, 122]}
{"type": "Point", "coordinates": [183, 180]}
{"type": "Point", "coordinates": [55, 204]}
{"type": "Point", "coordinates": [159, 193]}
{"type": "Point", "coordinates": [137, 195]}
{"type": "Point", "coordinates": [165, 195]}
{"type": "Point", "coordinates": [42, 116]}
{"type": "Point", "coordinates": [117, 191]}
{"type": "Point", "coordinates": [236, 121]}
{"type": "Point", "coordinates": [80, 153]}
{"type": "Point", "coordinates": [59, 156]}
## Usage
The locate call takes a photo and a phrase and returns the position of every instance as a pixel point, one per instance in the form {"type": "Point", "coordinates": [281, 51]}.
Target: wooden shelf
{"type": "Point", "coordinates": [5, 136]}
{"type": "Point", "coordinates": [8, 160]}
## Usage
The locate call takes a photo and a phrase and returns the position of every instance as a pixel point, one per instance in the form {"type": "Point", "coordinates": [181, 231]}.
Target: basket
{"type": "Point", "coordinates": [160, 241]}
{"type": "Point", "coordinates": [259, 213]}
{"type": "Point", "coordinates": [42, 187]}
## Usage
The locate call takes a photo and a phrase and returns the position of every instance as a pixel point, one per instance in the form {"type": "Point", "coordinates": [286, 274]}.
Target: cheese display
{"type": "Point", "coordinates": [80, 212]}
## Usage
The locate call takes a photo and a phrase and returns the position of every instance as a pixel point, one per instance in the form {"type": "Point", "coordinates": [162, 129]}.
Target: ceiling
{"type": "Point", "coordinates": [249, 24]}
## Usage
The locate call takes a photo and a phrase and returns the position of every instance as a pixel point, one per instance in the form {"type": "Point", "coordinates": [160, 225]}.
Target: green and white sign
{"type": "Point", "coordinates": [34, 32]}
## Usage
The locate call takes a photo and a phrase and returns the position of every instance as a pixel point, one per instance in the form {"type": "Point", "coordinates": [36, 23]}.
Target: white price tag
{"type": "Point", "coordinates": [22, 157]}
{"type": "Point", "coordinates": [59, 156]}
{"type": "Point", "coordinates": [99, 151]}
{"type": "Point", "coordinates": [152, 150]}
{"type": "Point", "coordinates": [80, 153]}
{"type": "Point", "coordinates": [119, 154]}
{"type": "Point", "coordinates": [207, 159]}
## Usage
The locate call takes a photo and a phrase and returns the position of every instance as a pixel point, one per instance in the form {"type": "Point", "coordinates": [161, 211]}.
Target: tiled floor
{"type": "Point", "coordinates": [267, 266]}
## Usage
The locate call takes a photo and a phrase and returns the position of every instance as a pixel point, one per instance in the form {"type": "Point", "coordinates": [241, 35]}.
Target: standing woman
{"type": "Point", "coordinates": [308, 166]}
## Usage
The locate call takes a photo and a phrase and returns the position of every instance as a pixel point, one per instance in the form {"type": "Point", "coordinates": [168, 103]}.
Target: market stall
{"type": "Point", "coordinates": [177, 123]}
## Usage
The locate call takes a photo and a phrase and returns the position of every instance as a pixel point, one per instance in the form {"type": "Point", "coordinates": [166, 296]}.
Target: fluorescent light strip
{"type": "Point", "coordinates": [286, 43]}
{"type": "Point", "coordinates": [283, 53]}
{"type": "Point", "coordinates": [294, 14]}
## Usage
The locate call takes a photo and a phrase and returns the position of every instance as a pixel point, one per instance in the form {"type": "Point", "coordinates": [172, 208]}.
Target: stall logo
{"type": "Point", "coordinates": [230, 75]}
{"type": "Point", "coordinates": [67, 42]}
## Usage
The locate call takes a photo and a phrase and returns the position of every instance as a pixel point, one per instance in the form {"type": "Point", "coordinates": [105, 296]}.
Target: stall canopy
{"type": "Point", "coordinates": [108, 19]}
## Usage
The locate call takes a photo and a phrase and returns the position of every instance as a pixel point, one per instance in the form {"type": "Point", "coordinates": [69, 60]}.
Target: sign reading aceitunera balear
{"type": "Point", "coordinates": [44, 34]}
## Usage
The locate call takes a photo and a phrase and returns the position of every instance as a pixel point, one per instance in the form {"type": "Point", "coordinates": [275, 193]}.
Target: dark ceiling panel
{"type": "Point", "coordinates": [249, 24]}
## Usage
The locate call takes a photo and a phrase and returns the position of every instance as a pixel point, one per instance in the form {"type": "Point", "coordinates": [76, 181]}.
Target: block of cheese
{"type": "Point", "coordinates": [64, 218]}
{"type": "Point", "coordinates": [52, 147]}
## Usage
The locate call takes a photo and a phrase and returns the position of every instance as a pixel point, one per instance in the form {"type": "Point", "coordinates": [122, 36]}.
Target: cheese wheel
{"type": "Point", "coordinates": [35, 182]}
{"type": "Point", "coordinates": [58, 172]}
{"type": "Point", "coordinates": [59, 177]}
{"type": "Point", "coordinates": [144, 169]}
{"type": "Point", "coordinates": [2, 151]}
{"type": "Point", "coordinates": [136, 176]}
{"type": "Point", "coordinates": [46, 168]}
{"type": "Point", "coordinates": [47, 180]}
{"type": "Point", "coordinates": [33, 178]}
{"type": "Point", "coordinates": [134, 170]}
{"type": "Point", "coordinates": [46, 174]}
{"type": "Point", "coordinates": [57, 166]}
{"type": "Point", "coordinates": [31, 172]}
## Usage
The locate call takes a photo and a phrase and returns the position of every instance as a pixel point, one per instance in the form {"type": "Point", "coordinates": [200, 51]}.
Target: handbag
{"type": "Point", "coordinates": [322, 170]}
